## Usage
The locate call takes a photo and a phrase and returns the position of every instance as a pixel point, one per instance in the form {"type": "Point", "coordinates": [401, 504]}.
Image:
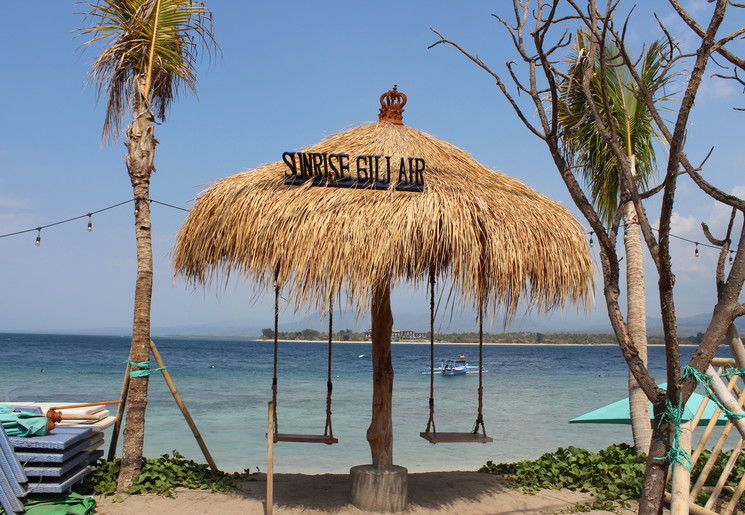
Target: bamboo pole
{"type": "Point", "coordinates": [693, 509]}
{"type": "Point", "coordinates": [723, 362]}
{"type": "Point", "coordinates": [726, 398]}
{"type": "Point", "coordinates": [119, 415]}
{"type": "Point", "coordinates": [716, 450]}
{"type": "Point", "coordinates": [182, 407]}
{"type": "Point", "coordinates": [735, 345]}
{"type": "Point", "coordinates": [735, 497]}
{"type": "Point", "coordinates": [681, 486]}
{"type": "Point", "coordinates": [269, 505]}
{"type": "Point", "coordinates": [725, 475]}
{"type": "Point", "coordinates": [711, 425]}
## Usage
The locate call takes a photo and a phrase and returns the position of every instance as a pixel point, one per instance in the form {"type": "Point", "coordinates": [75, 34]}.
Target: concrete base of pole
{"type": "Point", "coordinates": [379, 490]}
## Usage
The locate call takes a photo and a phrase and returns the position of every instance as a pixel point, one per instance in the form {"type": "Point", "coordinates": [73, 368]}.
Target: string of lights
{"type": "Point", "coordinates": [89, 215]}
{"type": "Point", "coordinates": [696, 253]}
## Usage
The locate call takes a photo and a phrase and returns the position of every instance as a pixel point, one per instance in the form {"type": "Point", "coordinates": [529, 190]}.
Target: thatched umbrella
{"type": "Point", "coordinates": [290, 223]}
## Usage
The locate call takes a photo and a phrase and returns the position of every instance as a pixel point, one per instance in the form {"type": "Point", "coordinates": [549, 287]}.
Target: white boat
{"type": "Point", "coordinates": [454, 367]}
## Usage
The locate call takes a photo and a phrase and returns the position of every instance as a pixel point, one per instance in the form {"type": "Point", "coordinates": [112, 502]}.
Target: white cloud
{"type": "Point", "coordinates": [720, 214]}
{"type": "Point", "coordinates": [682, 225]}
{"type": "Point", "coordinates": [12, 203]}
{"type": "Point", "coordinates": [717, 88]}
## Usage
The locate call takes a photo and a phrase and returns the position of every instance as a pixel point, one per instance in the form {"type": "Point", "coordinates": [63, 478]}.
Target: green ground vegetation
{"type": "Point", "coordinates": [159, 476]}
{"type": "Point", "coordinates": [613, 475]}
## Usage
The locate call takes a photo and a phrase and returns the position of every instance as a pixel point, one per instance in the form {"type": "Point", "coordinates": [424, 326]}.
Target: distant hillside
{"type": "Point", "coordinates": [252, 327]}
{"type": "Point", "coordinates": [308, 334]}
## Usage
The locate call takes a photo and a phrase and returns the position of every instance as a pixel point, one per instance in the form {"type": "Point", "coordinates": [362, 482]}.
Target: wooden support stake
{"type": "Point", "coordinates": [711, 425]}
{"type": "Point", "coordinates": [732, 505]}
{"type": "Point", "coordinates": [681, 486]}
{"type": "Point", "coordinates": [119, 415]}
{"type": "Point", "coordinates": [735, 345]}
{"type": "Point", "coordinates": [716, 450]}
{"type": "Point", "coordinates": [725, 475]}
{"type": "Point", "coordinates": [726, 398]}
{"type": "Point", "coordinates": [693, 509]}
{"type": "Point", "coordinates": [269, 505]}
{"type": "Point", "coordinates": [182, 407]}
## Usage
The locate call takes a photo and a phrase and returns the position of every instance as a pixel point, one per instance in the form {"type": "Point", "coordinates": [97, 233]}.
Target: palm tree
{"type": "Point", "coordinates": [148, 53]}
{"type": "Point", "coordinates": [632, 123]}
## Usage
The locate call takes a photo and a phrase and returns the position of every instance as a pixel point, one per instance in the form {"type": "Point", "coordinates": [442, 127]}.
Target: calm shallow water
{"type": "Point", "coordinates": [530, 394]}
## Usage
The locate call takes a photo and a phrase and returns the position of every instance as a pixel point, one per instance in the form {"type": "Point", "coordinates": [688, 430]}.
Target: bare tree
{"type": "Point", "coordinates": [541, 33]}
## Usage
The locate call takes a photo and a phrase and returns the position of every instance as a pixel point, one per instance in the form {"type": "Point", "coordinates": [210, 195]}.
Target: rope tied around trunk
{"type": "Point", "coordinates": [676, 454]}
{"type": "Point", "coordinates": [144, 367]}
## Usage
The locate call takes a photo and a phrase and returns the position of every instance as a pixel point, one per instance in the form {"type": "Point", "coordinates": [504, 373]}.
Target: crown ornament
{"type": "Point", "coordinates": [392, 104]}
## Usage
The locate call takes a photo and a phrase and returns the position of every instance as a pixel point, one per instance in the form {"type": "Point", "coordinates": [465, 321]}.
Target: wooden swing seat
{"type": "Point", "coordinates": [290, 437]}
{"type": "Point", "coordinates": [440, 437]}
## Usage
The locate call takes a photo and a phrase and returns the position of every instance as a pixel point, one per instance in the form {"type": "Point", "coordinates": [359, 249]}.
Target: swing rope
{"type": "Point", "coordinates": [478, 434]}
{"type": "Point", "coordinates": [480, 415]}
{"type": "Point", "coordinates": [328, 431]}
{"type": "Point", "coordinates": [276, 330]}
{"type": "Point", "coordinates": [431, 421]}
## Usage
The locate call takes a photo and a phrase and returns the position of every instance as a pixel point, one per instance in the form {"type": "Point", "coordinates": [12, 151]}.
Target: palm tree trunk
{"type": "Point", "coordinates": [140, 156]}
{"type": "Point", "coordinates": [641, 428]}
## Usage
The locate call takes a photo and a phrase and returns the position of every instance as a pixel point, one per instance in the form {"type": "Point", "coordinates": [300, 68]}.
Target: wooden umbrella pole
{"type": "Point", "coordinates": [119, 415]}
{"type": "Point", "coordinates": [182, 407]}
{"type": "Point", "coordinates": [380, 432]}
{"type": "Point", "coordinates": [381, 486]}
{"type": "Point", "coordinates": [86, 405]}
{"type": "Point", "coordinates": [269, 460]}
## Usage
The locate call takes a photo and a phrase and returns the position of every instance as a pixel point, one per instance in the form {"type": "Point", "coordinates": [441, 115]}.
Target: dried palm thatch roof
{"type": "Point", "coordinates": [499, 241]}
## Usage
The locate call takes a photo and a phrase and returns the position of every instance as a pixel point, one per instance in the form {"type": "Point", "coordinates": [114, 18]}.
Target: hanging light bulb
{"type": "Point", "coordinates": [38, 236]}
{"type": "Point", "coordinates": [592, 243]}
{"type": "Point", "coordinates": [695, 252]}
{"type": "Point", "coordinates": [730, 258]}
{"type": "Point", "coordinates": [90, 222]}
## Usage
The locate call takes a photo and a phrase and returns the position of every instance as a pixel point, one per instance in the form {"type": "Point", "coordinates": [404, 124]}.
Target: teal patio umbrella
{"type": "Point", "coordinates": [618, 412]}
{"type": "Point", "coordinates": [21, 423]}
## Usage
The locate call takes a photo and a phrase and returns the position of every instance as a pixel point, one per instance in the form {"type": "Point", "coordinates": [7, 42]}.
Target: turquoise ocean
{"type": "Point", "coordinates": [530, 394]}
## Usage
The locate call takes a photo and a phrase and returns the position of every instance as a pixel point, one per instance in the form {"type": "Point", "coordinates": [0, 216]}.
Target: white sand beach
{"type": "Point", "coordinates": [430, 493]}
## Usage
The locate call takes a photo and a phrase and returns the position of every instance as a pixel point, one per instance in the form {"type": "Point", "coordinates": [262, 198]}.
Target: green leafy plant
{"type": "Point", "coordinates": [613, 474]}
{"type": "Point", "coordinates": [159, 476]}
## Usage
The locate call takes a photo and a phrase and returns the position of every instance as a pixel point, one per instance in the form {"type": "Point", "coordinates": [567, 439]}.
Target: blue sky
{"type": "Point", "coordinates": [288, 74]}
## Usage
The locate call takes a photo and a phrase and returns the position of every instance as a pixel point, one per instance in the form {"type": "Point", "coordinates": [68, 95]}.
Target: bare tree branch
{"type": "Point", "coordinates": [700, 32]}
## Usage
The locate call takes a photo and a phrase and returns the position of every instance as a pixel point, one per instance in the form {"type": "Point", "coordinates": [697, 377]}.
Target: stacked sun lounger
{"type": "Point", "coordinates": [52, 463]}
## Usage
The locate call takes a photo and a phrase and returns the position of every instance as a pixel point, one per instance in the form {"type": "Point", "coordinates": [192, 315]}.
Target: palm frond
{"type": "Point", "coordinates": [626, 114]}
{"type": "Point", "coordinates": [148, 46]}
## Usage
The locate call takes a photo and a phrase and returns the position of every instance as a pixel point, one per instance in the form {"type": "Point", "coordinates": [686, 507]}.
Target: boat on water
{"type": "Point", "coordinates": [454, 367]}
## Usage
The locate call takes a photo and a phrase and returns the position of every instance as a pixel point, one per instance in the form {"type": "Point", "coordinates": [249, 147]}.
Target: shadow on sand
{"type": "Point", "coordinates": [428, 492]}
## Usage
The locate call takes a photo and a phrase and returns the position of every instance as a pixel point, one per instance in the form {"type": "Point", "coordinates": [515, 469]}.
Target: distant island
{"type": "Point", "coordinates": [469, 337]}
